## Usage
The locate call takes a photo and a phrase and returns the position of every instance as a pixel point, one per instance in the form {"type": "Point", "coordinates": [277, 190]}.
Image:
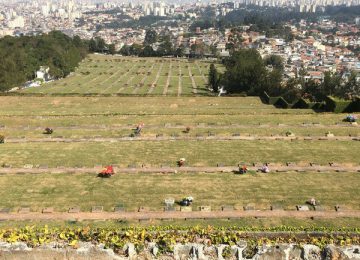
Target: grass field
{"type": "Point", "coordinates": [25, 118]}
{"type": "Point", "coordinates": [100, 74]}
{"type": "Point", "coordinates": [62, 191]}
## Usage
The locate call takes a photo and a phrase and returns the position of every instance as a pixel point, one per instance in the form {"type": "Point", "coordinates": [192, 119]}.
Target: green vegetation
{"type": "Point", "coordinates": [22, 56]}
{"type": "Point", "coordinates": [167, 237]}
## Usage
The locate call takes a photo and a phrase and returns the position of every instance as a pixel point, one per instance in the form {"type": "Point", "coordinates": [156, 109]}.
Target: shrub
{"type": "Point", "coordinates": [336, 105]}
{"type": "Point", "coordinates": [2, 139]}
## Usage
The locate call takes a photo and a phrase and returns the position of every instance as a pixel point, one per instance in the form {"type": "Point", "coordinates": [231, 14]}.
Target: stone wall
{"type": "Point", "coordinates": [180, 252]}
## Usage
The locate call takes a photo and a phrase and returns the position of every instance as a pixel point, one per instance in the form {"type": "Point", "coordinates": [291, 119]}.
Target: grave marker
{"type": "Point", "coordinates": [205, 208]}
{"type": "Point", "coordinates": [48, 210]}
{"type": "Point", "coordinates": [143, 209]}
{"type": "Point", "coordinates": [24, 210]}
{"type": "Point", "coordinates": [227, 208]}
{"type": "Point", "coordinates": [302, 208]}
{"type": "Point", "coordinates": [74, 210]}
{"type": "Point", "coordinates": [185, 209]}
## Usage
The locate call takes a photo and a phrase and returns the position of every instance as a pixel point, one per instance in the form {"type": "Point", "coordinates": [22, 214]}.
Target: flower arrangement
{"type": "Point", "coordinates": [350, 118]}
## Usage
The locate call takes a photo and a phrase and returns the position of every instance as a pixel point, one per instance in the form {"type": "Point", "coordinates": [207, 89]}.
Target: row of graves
{"type": "Point", "coordinates": [186, 205]}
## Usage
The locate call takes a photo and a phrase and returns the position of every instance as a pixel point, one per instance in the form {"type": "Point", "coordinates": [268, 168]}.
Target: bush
{"type": "Point", "coordinates": [2, 139]}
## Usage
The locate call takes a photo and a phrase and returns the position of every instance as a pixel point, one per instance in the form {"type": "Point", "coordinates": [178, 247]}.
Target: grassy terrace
{"type": "Point", "coordinates": [133, 190]}
{"type": "Point", "coordinates": [198, 153]}
{"type": "Point", "coordinates": [100, 74]}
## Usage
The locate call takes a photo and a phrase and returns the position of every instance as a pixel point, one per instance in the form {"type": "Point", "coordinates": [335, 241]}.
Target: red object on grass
{"type": "Point", "coordinates": [107, 171]}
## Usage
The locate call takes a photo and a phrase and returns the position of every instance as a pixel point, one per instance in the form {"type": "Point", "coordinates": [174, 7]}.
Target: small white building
{"type": "Point", "coordinates": [43, 73]}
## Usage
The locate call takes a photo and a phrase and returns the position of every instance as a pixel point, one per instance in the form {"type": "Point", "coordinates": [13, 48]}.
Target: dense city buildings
{"type": "Point", "coordinates": [316, 46]}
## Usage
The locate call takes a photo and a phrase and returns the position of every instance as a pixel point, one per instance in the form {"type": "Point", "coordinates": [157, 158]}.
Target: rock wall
{"type": "Point", "coordinates": [86, 251]}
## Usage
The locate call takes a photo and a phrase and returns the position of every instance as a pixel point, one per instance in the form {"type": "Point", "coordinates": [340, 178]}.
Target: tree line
{"type": "Point", "coordinates": [22, 56]}
{"type": "Point", "coordinates": [247, 73]}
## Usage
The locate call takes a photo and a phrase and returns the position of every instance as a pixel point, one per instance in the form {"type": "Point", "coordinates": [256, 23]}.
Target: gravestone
{"type": "Point", "coordinates": [275, 207]}
{"type": "Point", "coordinates": [220, 165]}
{"type": "Point", "coordinates": [227, 208]}
{"type": "Point", "coordinates": [290, 164]}
{"type": "Point", "coordinates": [249, 207]}
{"type": "Point", "coordinates": [338, 208]}
{"type": "Point", "coordinates": [205, 208]}
{"type": "Point", "coordinates": [143, 209]}
{"type": "Point", "coordinates": [332, 164]}
{"type": "Point", "coordinates": [97, 209]}
{"type": "Point", "coordinates": [74, 210]}
{"type": "Point", "coordinates": [24, 210]}
{"type": "Point", "coordinates": [185, 209]}
{"type": "Point", "coordinates": [211, 134]}
{"type": "Point", "coordinates": [132, 166]}
{"type": "Point", "coordinates": [48, 210]}
{"type": "Point", "coordinates": [169, 208]}
{"type": "Point", "coordinates": [302, 208]}
{"type": "Point", "coordinates": [236, 134]}
{"type": "Point", "coordinates": [159, 135]}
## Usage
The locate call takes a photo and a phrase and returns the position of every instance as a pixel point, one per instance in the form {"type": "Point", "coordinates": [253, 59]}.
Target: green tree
{"type": "Point", "coordinates": [112, 50]}
{"type": "Point", "coordinates": [245, 72]}
{"type": "Point", "coordinates": [150, 37]}
{"type": "Point", "coordinates": [275, 61]}
{"type": "Point", "coordinates": [213, 78]}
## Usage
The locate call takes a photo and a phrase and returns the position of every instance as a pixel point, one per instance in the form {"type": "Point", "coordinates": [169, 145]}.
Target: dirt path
{"type": "Point", "coordinates": [180, 82]}
{"type": "Point", "coordinates": [171, 169]}
{"type": "Point", "coordinates": [153, 85]}
{"type": "Point", "coordinates": [194, 87]}
{"type": "Point", "coordinates": [169, 126]}
{"type": "Point", "coordinates": [170, 138]}
{"type": "Point", "coordinates": [167, 80]}
{"type": "Point", "coordinates": [201, 73]}
{"type": "Point", "coordinates": [162, 215]}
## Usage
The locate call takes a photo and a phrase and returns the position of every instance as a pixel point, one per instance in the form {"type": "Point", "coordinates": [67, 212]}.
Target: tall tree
{"type": "Point", "coordinates": [150, 37]}
{"type": "Point", "coordinates": [245, 72]}
{"type": "Point", "coordinates": [213, 78]}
